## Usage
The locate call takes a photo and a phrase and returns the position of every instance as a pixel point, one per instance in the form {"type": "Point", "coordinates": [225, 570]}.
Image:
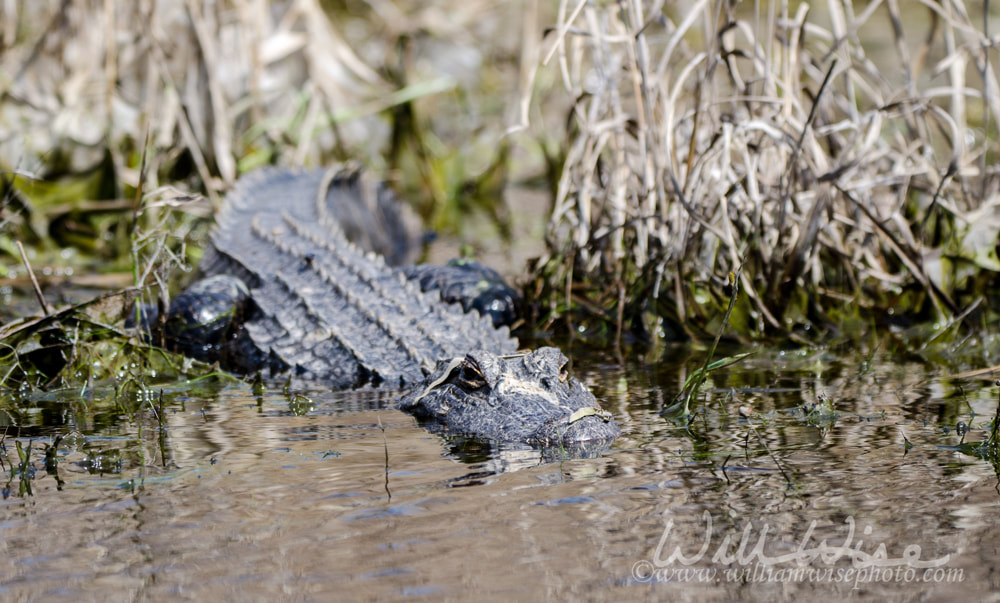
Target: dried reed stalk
{"type": "Point", "coordinates": [221, 82]}
{"type": "Point", "coordinates": [839, 175]}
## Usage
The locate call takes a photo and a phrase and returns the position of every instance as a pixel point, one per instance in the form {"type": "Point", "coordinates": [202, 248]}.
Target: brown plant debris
{"type": "Point", "coordinates": [850, 181]}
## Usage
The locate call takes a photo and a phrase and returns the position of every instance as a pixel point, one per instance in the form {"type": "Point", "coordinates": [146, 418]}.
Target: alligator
{"type": "Point", "coordinates": [302, 276]}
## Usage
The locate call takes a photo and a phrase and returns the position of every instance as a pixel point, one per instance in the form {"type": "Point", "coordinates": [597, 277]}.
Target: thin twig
{"type": "Point", "coordinates": [385, 445]}
{"type": "Point", "coordinates": [769, 453]}
{"type": "Point", "coordinates": [34, 281]}
{"type": "Point", "coordinates": [735, 282]}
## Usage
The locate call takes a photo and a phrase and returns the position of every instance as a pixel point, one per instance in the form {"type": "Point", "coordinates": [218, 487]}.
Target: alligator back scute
{"type": "Point", "coordinates": [324, 306]}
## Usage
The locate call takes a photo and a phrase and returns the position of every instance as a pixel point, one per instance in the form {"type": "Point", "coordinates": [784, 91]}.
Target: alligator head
{"type": "Point", "coordinates": [525, 397]}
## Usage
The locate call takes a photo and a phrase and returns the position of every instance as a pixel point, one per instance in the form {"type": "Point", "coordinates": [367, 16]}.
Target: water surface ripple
{"type": "Point", "coordinates": [262, 498]}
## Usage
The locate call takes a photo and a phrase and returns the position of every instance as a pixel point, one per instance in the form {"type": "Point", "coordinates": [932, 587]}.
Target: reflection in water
{"type": "Point", "coordinates": [229, 495]}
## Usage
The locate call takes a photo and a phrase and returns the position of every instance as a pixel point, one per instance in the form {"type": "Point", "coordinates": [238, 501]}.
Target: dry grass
{"type": "Point", "coordinates": [213, 89]}
{"type": "Point", "coordinates": [194, 79]}
{"type": "Point", "coordinates": [849, 181]}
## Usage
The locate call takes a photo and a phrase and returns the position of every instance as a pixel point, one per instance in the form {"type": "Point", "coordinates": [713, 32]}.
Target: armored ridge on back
{"type": "Point", "coordinates": [287, 290]}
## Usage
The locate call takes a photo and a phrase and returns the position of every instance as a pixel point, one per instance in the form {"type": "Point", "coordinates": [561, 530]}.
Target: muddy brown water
{"type": "Point", "coordinates": [244, 497]}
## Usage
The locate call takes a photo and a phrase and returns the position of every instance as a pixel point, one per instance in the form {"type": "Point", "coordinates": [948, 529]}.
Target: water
{"type": "Point", "coordinates": [334, 495]}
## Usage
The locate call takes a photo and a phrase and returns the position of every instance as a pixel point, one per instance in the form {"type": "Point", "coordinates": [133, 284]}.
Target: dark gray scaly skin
{"type": "Point", "coordinates": [331, 312]}
{"type": "Point", "coordinates": [470, 284]}
{"type": "Point", "coordinates": [526, 397]}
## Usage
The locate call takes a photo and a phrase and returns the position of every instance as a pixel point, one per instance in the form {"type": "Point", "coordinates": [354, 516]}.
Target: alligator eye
{"type": "Point", "coordinates": [468, 376]}
{"type": "Point", "coordinates": [563, 372]}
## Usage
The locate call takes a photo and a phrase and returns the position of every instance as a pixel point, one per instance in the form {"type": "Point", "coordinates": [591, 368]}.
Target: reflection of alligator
{"type": "Point", "coordinates": [295, 283]}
